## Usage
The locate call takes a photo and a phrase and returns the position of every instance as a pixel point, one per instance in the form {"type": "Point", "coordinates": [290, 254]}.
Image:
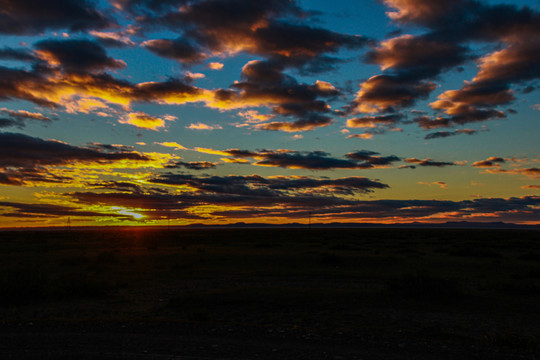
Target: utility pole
{"type": "Point", "coordinates": [68, 224]}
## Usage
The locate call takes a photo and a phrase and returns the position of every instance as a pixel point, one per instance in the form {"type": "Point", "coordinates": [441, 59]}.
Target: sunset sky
{"type": "Point", "coordinates": [144, 112]}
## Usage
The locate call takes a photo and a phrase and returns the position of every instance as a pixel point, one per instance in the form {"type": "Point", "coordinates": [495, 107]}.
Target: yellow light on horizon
{"type": "Point", "coordinates": [128, 212]}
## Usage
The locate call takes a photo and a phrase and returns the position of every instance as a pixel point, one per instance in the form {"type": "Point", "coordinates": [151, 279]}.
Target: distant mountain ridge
{"type": "Point", "coordinates": [240, 225]}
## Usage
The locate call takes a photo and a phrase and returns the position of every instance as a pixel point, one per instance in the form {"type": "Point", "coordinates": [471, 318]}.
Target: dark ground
{"type": "Point", "coordinates": [270, 294]}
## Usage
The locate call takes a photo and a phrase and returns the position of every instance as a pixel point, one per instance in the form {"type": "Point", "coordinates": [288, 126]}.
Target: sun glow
{"type": "Point", "coordinates": [129, 212]}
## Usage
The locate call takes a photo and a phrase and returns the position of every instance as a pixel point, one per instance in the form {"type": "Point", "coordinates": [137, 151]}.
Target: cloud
{"type": "Point", "coordinates": [490, 162]}
{"type": "Point", "coordinates": [416, 57]}
{"type": "Point", "coordinates": [312, 122]}
{"type": "Point", "coordinates": [172, 144]}
{"type": "Point", "coordinates": [254, 117]}
{"type": "Point", "coordinates": [375, 121]}
{"type": "Point", "coordinates": [25, 210]}
{"type": "Point", "coordinates": [20, 117]}
{"type": "Point", "coordinates": [279, 187]}
{"type": "Point", "coordinates": [215, 66]}
{"type": "Point", "coordinates": [444, 134]}
{"type": "Point", "coordinates": [387, 93]}
{"type": "Point", "coordinates": [410, 62]}
{"type": "Point", "coordinates": [428, 162]}
{"type": "Point", "coordinates": [7, 53]}
{"type": "Point", "coordinates": [80, 89]}
{"type": "Point", "coordinates": [192, 165]}
{"type": "Point", "coordinates": [532, 187]}
{"type": "Point", "coordinates": [117, 39]}
{"type": "Point", "coordinates": [425, 12]}
{"type": "Point", "coordinates": [265, 84]}
{"type": "Point", "coordinates": [201, 126]}
{"type": "Point", "coordinates": [533, 172]}
{"type": "Point", "coordinates": [76, 55]}
{"type": "Point", "coordinates": [373, 158]}
{"type": "Point", "coordinates": [27, 17]}
{"type": "Point", "coordinates": [365, 136]}
{"type": "Point", "coordinates": [440, 184]}
{"type": "Point", "coordinates": [25, 159]}
{"type": "Point", "coordinates": [273, 30]}
{"type": "Point", "coordinates": [522, 209]}
{"type": "Point", "coordinates": [143, 121]}
{"type": "Point", "coordinates": [179, 49]}
{"type": "Point", "coordinates": [285, 192]}
{"type": "Point", "coordinates": [312, 160]}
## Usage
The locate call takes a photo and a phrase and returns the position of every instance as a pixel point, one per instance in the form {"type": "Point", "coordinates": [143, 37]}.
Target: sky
{"type": "Point", "coordinates": [156, 112]}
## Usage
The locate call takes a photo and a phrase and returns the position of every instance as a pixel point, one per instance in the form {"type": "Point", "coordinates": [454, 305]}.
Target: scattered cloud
{"type": "Point", "coordinates": [172, 144]}
{"type": "Point", "coordinates": [19, 118]}
{"type": "Point", "coordinates": [444, 134]}
{"type": "Point", "coordinates": [440, 184]}
{"type": "Point", "coordinates": [492, 161]}
{"type": "Point", "coordinates": [25, 159]}
{"type": "Point", "coordinates": [215, 66]}
{"type": "Point", "coordinates": [143, 121]}
{"type": "Point", "coordinates": [428, 162]}
{"type": "Point", "coordinates": [201, 126]}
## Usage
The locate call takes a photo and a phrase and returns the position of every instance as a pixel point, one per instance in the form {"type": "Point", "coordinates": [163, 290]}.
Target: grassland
{"type": "Point", "coordinates": [270, 293]}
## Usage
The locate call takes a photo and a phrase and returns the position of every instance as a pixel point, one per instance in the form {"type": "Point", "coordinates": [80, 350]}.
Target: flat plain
{"type": "Point", "coordinates": [270, 294]}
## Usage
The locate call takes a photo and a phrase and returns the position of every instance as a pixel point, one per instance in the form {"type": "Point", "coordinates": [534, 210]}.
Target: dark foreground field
{"type": "Point", "coordinates": [270, 294]}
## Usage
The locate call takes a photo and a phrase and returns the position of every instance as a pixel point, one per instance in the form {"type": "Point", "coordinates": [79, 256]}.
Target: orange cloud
{"type": "Point", "coordinates": [172, 144]}
{"type": "Point", "coordinates": [144, 121]}
{"type": "Point", "coordinates": [215, 66]}
{"type": "Point", "coordinates": [201, 126]}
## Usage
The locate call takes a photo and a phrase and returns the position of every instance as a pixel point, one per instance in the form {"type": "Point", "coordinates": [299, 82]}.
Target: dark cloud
{"type": "Point", "coordinates": [410, 62]}
{"type": "Point", "coordinates": [179, 49]}
{"type": "Point", "coordinates": [296, 45]}
{"type": "Point", "coordinates": [256, 185]}
{"type": "Point", "coordinates": [125, 186]}
{"type": "Point", "coordinates": [489, 162]}
{"type": "Point", "coordinates": [388, 93]}
{"type": "Point", "coordinates": [158, 91]}
{"type": "Point", "coordinates": [428, 162]}
{"type": "Point", "coordinates": [314, 160]}
{"type": "Point", "coordinates": [192, 165]}
{"type": "Point", "coordinates": [428, 13]}
{"type": "Point", "coordinates": [27, 17]}
{"type": "Point", "coordinates": [444, 134]}
{"type": "Point", "coordinates": [19, 176]}
{"type": "Point", "coordinates": [533, 172]}
{"type": "Point", "coordinates": [20, 117]}
{"type": "Point", "coordinates": [24, 159]}
{"type": "Point", "coordinates": [310, 122]}
{"type": "Point", "coordinates": [46, 210]}
{"type": "Point", "coordinates": [492, 209]}
{"type": "Point", "coordinates": [77, 55]}
{"type": "Point", "coordinates": [461, 116]}
{"type": "Point", "coordinates": [7, 53]}
{"type": "Point", "coordinates": [375, 121]}
{"type": "Point", "coordinates": [22, 84]}
{"type": "Point", "coordinates": [372, 157]}
{"type": "Point", "coordinates": [148, 7]}
{"type": "Point", "coordinates": [272, 29]}
{"type": "Point", "coordinates": [20, 150]}
{"type": "Point", "coordinates": [416, 57]}
{"type": "Point", "coordinates": [265, 84]}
